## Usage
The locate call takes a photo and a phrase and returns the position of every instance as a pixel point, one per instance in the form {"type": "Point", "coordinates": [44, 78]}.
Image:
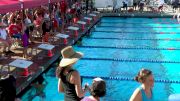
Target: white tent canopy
{"type": "Point", "coordinates": [109, 3]}
{"type": "Point", "coordinates": [103, 3]}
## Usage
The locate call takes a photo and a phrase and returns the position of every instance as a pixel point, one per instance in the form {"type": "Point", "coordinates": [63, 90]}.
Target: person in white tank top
{"type": "Point", "coordinates": [4, 39]}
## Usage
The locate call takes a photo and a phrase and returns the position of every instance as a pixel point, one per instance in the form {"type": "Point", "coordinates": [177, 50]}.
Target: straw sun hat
{"type": "Point", "coordinates": [70, 56]}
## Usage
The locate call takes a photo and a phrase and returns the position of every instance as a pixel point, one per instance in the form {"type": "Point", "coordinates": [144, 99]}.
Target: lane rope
{"type": "Point", "coordinates": [130, 79]}
{"type": "Point", "coordinates": [124, 47]}
{"type": "Point", "coordinates": [135, 27]}
{"type": "Point", "coordinates": [130, 60]}
{"type": "Point", "coordinates": [140, 22]}
{"type": "Point", "coordinates": [165, 39]}
{"type": "Point", "coordinates": [136, 32]}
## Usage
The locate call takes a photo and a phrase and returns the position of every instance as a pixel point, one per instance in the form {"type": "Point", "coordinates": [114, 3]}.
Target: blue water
{"type": "Point", "coordinates": [133, 43]}
{"type": "Point", "coordinates": [110, 32]}
{"type": "Point", "coordinates": [120, 24]}
{"type": "Point", "coordinates": [115, 29]}
{"type": "Point", "coordinates": [134, 35]}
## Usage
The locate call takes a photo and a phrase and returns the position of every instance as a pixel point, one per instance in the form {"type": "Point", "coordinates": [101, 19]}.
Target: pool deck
{"type": "Point", "coordinates": [41, 61]}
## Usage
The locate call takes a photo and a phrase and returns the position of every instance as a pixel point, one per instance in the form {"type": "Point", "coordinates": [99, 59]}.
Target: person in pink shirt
{"type": "Point", "coordinates": [63, 8]}
{"type": "Point", "coordinates": [97, 90]}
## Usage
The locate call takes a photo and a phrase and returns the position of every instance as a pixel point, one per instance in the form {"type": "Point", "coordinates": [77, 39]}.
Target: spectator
{"type": "Point", "coordinates": [11, 18]}
{"type": "Point", "coordinates": [97, 90]}
{"type": "Point", "coordinates": [57, 15]}
{"type": "Point", "coordinates": [69, 79]}
{"type": "Point", "coordinates": [24, 39]}
{"type": "Point", "coordinates": [69, 16]}
{"type": "Point", "coordinates": [15, 29]}
{"type": "Point", "coordinates": [78, 9]}
{"type": "Point", "coordinates": [175, 4]}
{"type": "Point", "coordinates": [1, 17]}
{"type": "Point", "coordinates": [141, 5]}
{"type": "Point", "coordinates": [7, 42]}
{"type": "Point", "coordinates": [135, 4]}
{"type": "Point", "coordinates": [125, 4]}
{"type": "Point", "coordinates": [91, 5]}
{"type": "Point", "coordinates": [114, 5]}
{"type": "Point", "coordinates": [73, 11]}
{"type": "Point", "coordinates": [63, 8]}
{"type": "Point", "coordinates": [178, 17]}
{"type": "Point", "coordinates": [5, 19]}
{"type": "Point", "coordinates": [87, 6]}
{"type": "Point", "coordinates": [46, 28]}
{"type": "Point", "coordinates": [30, 28]}
{"type": "Point", "coordinates": [38, 19]}
{"type": "Point", "coordinates": [144, 92]}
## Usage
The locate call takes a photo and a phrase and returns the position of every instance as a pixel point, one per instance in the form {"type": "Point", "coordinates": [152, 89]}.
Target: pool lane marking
{"type": "Point", "coordinates": [139, 22]}
{"type": "Point", "coordinates": [130, 60]}
{"type": "Point", "coordinates": [138, 32]}
{"type": "Point", "coordinates": [131, 79]}
{"type": "Point", "coordinates": [135, 27]}
{"type": "Point", "coordinates": [165, 39]}
{"type": "Point", "coordinates": [123, 47]}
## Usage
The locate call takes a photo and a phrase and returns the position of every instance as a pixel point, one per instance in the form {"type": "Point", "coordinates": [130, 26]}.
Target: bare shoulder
{"type": "Point", "coordinates": [75, 77]}
{"type": "Point", "coordinates": [75, 73]}
{"type": "Point", "coordinates": [136, 96]}
{"type": "Point", "coordinates": [137, 91]}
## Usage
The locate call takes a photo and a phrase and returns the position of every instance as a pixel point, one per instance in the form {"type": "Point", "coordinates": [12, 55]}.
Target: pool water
{"type": "Point", "coordinates": [152, 43]}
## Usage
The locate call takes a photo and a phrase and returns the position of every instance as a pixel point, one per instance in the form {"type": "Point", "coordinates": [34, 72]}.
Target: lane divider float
{"type": "Point", "coordinates": [124, 47]}
{"type": "Point", "coordinates": [130, 60]}
{"type": "Point", "coordinates": [165, 39]}
{"type": "Point", "coordinates": [131, 79]}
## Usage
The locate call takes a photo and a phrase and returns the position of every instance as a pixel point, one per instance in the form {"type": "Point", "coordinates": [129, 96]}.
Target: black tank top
{"type": "Point", "coordinates": [69, 89]}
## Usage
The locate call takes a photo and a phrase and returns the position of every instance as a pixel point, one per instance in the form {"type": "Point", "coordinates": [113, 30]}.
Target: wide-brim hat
{"type": "Point", "coordinates": [3, 24]}
{"type": "Point", "coordinates": [70, 56]}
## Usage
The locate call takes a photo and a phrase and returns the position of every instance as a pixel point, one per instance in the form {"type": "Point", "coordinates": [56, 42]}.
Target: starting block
{"type": "Point", "coordinates": [75, 29]}
{"type": "Point", "coordinates": [93, 15]}
{"type": "Point", "coordinates": [64, 36]}
{"type": "Point", "coordinates": [88, 19]}
{"type": "Point", "coordinates": [82, 23]}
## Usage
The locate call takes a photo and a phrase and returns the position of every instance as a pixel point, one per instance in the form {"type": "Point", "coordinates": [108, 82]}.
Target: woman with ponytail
{"type": "Point", "coordinates": [144, 92]}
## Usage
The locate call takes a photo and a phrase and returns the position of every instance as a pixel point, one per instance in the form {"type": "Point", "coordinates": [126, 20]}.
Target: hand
{"type": "Point", "coordinates": [86, 87]}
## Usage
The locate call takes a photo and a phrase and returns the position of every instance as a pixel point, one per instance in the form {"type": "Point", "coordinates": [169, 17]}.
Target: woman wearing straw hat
{"type": "Point", "coordinates": [69, 79]}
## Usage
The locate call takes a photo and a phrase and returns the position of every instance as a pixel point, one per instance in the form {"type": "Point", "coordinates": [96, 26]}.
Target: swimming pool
{"type": "Point", "coordinates": [118, 48]}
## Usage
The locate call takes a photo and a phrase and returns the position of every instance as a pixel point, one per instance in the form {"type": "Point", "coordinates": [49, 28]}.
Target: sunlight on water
{"type": "Point", "coordinates": [159, 33]}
